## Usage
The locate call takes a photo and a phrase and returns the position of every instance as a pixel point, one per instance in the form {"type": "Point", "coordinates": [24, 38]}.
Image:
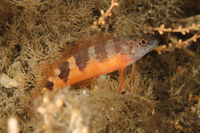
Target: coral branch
{"type": "Point", "coordinates": [178, 43]}
{"type": "Point", "coordinates": [13, 125]}
{"type": "Point", "coordinates": [186, 42]}
{"type": "Point", "coordinates": [181, 44]}
{"type": "Point", "coordinates": [180, 29]}
{"type": "Point", "coordinates": [105, 15]}
{"type": "Point", "coordinates": [159, 49]}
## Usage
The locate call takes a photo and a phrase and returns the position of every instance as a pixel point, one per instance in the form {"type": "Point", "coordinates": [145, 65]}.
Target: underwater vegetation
{"type": "Point", "coordinates": [161, 96]}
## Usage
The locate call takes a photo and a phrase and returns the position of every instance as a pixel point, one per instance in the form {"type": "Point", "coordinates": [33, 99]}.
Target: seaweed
{"type": "Point", "coordinates": [163, 95]}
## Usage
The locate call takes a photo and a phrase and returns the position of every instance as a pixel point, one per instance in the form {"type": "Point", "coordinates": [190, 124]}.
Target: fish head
{"type": "Point", "coordinates": [138, 45]}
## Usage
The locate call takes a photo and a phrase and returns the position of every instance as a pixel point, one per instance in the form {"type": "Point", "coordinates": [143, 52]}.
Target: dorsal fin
{"type": "Point", "coordinates": [84, 43]}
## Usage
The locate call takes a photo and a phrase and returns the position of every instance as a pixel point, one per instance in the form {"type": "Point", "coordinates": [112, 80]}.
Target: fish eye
{"type": "Point", "coordinates": [143, 42]}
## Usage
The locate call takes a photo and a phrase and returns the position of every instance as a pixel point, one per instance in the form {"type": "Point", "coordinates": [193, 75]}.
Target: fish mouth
{"type": "Point", "coordinates": [153, 44]}
{"type": "Point", "coordinates": [156, 42]}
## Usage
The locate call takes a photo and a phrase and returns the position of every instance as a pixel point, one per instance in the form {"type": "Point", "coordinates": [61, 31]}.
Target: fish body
{"type": "Point", "coordinates": [103, 57]}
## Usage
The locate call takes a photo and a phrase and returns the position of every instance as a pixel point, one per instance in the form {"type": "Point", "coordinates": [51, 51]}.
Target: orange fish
{"type": "Point", "coordinates": [103, 56]}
